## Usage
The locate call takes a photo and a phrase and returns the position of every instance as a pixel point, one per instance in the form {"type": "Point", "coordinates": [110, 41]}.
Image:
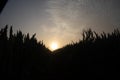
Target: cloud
{"type": "Point", "coordinates": [64, 14]}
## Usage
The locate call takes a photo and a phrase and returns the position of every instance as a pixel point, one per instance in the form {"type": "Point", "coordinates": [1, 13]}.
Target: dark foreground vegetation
{"type": "Point", "coordinates": [96, 57]}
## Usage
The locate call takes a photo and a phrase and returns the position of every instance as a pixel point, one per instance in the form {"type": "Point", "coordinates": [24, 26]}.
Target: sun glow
{"type": "Point", "coordinates": [54, 46]}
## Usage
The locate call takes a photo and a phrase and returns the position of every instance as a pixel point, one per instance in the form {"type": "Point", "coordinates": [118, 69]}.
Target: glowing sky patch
{"type": "Point", "coordinates": [54, 46]}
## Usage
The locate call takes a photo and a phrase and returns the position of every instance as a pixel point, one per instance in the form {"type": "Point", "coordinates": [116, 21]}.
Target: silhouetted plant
{"type": "Point", "coordinates": [93, 55]}
{"type": "Point", "coordinates": [23, 57]}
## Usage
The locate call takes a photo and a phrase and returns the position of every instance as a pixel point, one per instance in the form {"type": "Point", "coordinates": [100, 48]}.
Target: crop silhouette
{"type": "Point", "coordinates": [96, 56]}
{"type": "Point", "coordinates": [21, 56]}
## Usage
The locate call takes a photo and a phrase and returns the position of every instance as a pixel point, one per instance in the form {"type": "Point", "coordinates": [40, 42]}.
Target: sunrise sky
{"type": "Point", "coordinates": [61, 21]}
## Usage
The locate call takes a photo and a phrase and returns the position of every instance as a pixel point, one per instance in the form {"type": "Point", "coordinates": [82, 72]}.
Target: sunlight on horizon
{"type": "Point", "coordinates": [53, 46]}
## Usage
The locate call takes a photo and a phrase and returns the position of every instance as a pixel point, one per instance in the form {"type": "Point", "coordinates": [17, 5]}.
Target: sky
{"type": "Point", "coordinates": [61, 21]}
